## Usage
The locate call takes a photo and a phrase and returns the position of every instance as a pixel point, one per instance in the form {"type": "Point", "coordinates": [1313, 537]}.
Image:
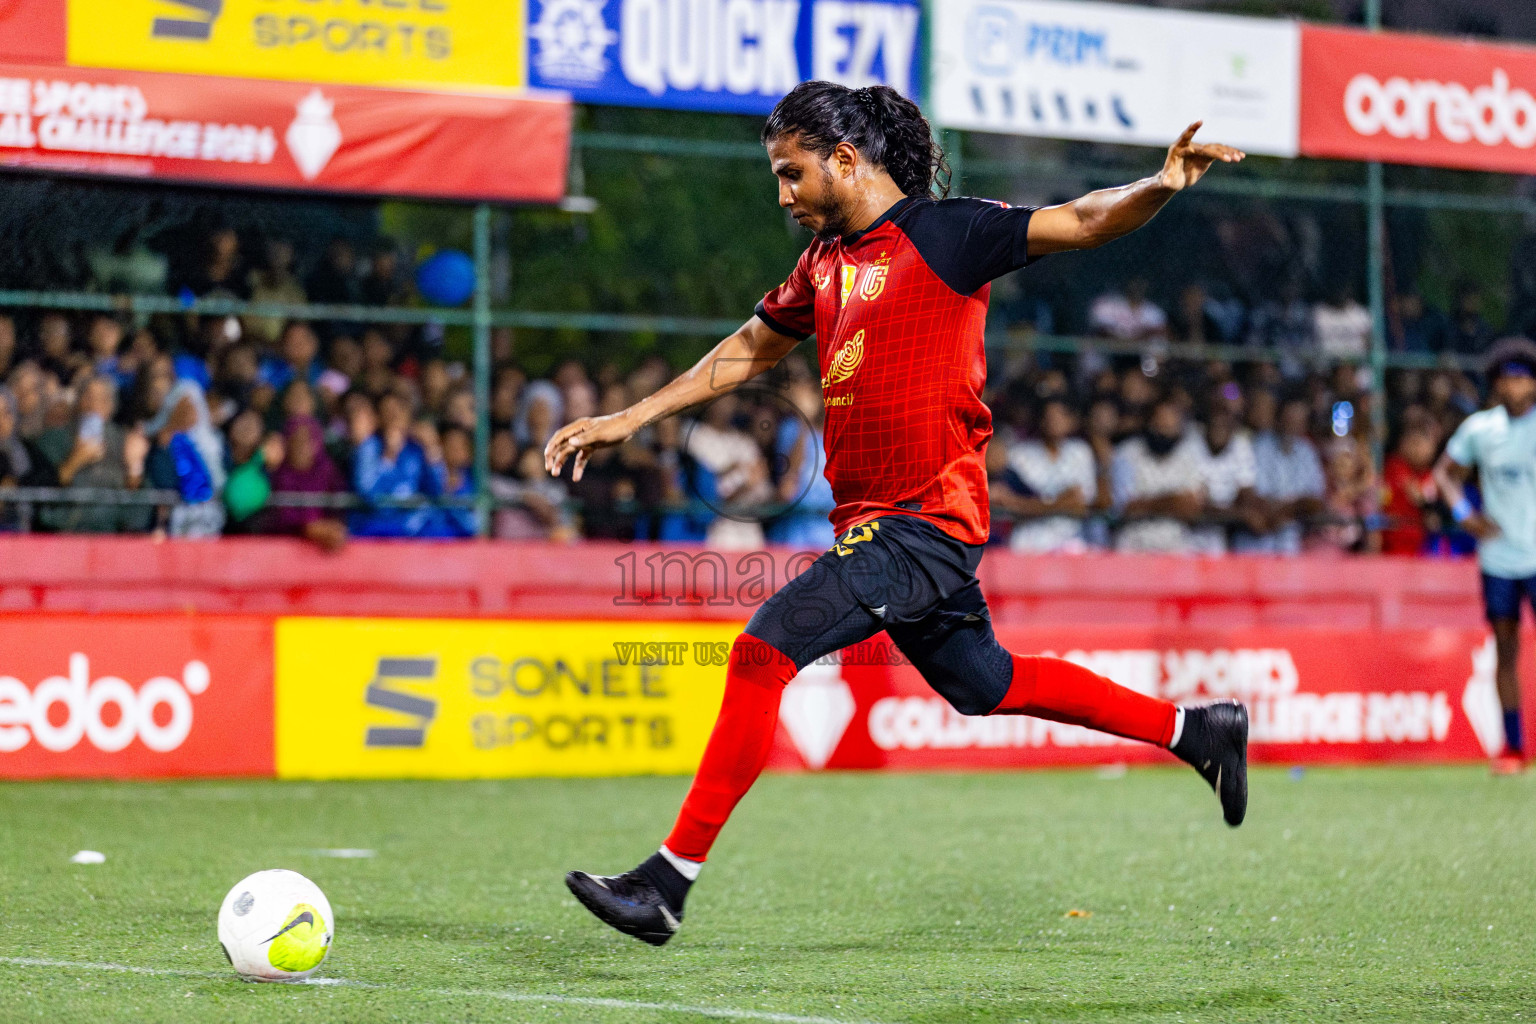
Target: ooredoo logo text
{"type": "Point", "coordinates": [105, 711]}
{"type": "Point", "coordinates": [1491, 113]}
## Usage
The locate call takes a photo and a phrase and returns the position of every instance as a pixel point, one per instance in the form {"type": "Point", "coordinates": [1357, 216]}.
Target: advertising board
{"type": "Point", "coordinates": [32, 31]}
{"type": "Point", "coordinates": [731, 56]}
{"type": "Point", "coordinates": [387, 698]}
{"type": "Point", "coordinates": [1418, 100]}
{"type": "Point", "coordinates": [135, 696]}
{"type": "Point", "coordinates": [153, 696]}
{"type": "Point", "coordinates": [436, 43]}
{"type": "Point", "coordinates": [254, 132]}
{"type": "Point", "coordinates": [1313, 696]}
{"type": "Point", "coordinates": [1115, 73]}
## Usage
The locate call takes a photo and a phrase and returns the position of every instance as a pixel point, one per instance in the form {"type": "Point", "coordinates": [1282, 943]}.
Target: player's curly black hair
{"type": "Point", "coordinates": [1509, 350]}
{"type": "Point", "coordinates": [885, 126]}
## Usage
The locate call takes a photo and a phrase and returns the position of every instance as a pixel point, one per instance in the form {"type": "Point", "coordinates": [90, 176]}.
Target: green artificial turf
{"type": "Point", "coordinates": [1386, 894]}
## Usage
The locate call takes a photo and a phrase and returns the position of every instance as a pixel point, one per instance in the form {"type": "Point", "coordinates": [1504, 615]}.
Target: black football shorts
{"type": "Point", "coordinates": [907, 577]}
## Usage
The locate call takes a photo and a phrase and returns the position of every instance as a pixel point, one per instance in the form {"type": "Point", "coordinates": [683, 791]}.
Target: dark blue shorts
{"type": "Point", "coordinates": [905, 576]}
{"type": "Point", "coordinates": [1502, 597]}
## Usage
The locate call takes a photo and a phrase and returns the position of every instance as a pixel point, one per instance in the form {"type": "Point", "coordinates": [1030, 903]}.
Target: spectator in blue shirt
{"type": "Point", "coordinates": [391, 464]}
{"type": "Point", "coordinates": [458, 457]}
{"type": "Point", "coordinates": [189, 457]}
{"type": "Point", "coordinates": [298, 358]}
{"type": "Point", "coordinates": [105, 338]}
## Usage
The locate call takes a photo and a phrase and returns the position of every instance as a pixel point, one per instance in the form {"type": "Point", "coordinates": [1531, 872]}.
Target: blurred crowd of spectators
{"type": "Point", "coordinates": [1210, 458]}
{"type": "Point", "coordinates": [244, 420]}
{"type": "Point", "coordinates": [332, 430]}
{"type": "Point", "coordinates": [1336, 326]}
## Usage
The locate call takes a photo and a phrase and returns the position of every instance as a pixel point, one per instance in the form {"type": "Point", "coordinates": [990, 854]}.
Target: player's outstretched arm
{"type": "Point", "coordinates": [1104, 216]}
{"type": "Point", "coordinates": [754, 348]}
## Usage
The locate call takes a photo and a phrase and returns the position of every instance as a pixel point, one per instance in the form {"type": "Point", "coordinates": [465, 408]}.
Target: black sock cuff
{"type": "Point", "coordinates": [667, 879]}
{"type": "Point", "coordinates": [1191, 740]}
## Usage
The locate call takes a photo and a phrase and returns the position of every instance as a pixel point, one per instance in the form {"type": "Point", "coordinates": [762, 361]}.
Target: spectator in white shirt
{"type": "Point", "coordinates": [1054, 481]}
{"type": "Point", "coordinates": [1229, 472]}
{"type": "Point", "coordinates": [1159, 485]}
{"type": "Point", "coordinates": [1342, 326]}
{"type": "Point", "coordinates": [739, 481]}
{"type": "Point", "coordinates": [1290, 480]}
{"type": "Point", "coordinates": [1128, 316]}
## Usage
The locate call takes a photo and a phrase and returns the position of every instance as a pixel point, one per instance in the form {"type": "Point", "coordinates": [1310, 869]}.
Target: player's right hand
{"type": "Point", "coordinates": [579, 437]}
{"type": "Point", "coordinates": [1481, 527]}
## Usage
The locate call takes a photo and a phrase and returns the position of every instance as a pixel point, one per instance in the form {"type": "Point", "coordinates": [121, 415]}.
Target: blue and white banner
{"type": "Point", "coordinates": [728, 56]}
{"type": "Point", "coordinates": [1116, 73]}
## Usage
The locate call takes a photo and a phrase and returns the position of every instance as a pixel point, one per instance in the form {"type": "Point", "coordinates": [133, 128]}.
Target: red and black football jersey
{"type": "Point", "coordinates": [899, 311]}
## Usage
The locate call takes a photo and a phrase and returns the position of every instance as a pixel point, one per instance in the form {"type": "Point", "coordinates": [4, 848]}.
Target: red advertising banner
{"type": "Point", "coordinates": [135, 697]}
{"type": "Point", "coordinates": [290, 135]}
{"type": "Point", "coordinates": [33, 31]}
{"type": "Point", "coordinates": [1314, 696]}
{"type": "Point", "coordinates": [1417, 100]}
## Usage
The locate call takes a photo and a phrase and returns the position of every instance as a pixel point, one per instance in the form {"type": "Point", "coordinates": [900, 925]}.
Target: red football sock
{"type": "Point", "coordinates": [1062, 691]}
{"type": "Point", "coordinates": [738, 747]}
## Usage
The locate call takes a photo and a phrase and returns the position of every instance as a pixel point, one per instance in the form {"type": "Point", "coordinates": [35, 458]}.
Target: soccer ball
{"type": "Point", "coordinates": [275, 926]}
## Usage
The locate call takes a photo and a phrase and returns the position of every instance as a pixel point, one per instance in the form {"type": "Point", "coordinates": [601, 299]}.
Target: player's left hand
{"type": "Point", "coordinates": [1188, 160]}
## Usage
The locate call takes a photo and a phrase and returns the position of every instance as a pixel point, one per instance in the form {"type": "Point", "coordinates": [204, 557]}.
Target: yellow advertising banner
{"type": "Point", "coordinates": [442, 43]}
{"type": "Point", "coordinates": [463, 699]}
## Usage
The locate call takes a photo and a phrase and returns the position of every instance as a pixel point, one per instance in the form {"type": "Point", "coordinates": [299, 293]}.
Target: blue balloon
{"type": "Point", "coordinates": [447, 279]}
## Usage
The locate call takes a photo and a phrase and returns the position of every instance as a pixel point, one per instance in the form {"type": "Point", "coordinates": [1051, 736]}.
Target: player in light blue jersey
{"type": "Point", "coordinates": [1500, 443]}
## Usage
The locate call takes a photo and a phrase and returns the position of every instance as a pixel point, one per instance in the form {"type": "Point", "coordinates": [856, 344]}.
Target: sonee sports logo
{"type": "Point", "coordinates": [157, 714]}
{"type": "Point", "coordinates": [199, 26]}
{"type": "Point", "coordinates": [382, 695]}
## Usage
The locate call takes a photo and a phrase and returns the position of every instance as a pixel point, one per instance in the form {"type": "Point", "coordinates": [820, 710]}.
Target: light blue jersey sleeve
{"type": "Point", "coordinates": [1504, 451]}
{"type": "Point", "coordinates": [1460, 447]}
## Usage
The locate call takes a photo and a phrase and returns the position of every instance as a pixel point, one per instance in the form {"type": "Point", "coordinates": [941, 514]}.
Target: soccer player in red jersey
{"type": "Point", "coordinates": [895, 288]}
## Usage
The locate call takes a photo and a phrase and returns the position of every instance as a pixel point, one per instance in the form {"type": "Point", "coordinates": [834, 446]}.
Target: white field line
{"type": "Point", "coordinates": [718, 1012]}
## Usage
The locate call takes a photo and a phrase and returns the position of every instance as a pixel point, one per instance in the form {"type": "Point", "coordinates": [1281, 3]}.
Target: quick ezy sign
{"type": "Point", "coordinates": [737, 56]}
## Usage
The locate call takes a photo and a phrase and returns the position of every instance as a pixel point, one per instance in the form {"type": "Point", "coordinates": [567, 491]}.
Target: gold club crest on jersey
{"type": "Point", "coordinates": [871, 287]}
{"type": "Point", "coordinates": [845, 362]}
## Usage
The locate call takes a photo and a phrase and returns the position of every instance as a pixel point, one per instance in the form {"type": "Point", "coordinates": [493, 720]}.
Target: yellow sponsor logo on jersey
{"type": "Point", "coordinates": [850, 275]}
{"type": "Point", "coordinates": [845, 362]}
